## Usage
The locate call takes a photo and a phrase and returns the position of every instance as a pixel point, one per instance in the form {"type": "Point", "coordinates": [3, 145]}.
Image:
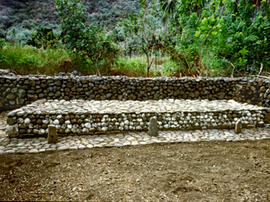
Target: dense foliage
{"type": "Point", "coordinates": [43, 38]}
{"type": "Point", "coordinates": [233, 35]}
{"type": "Point", "coordinates": [88, 41]}
{"type": "Point", "coordinates": [26, 16]}
{"type": "Point", "coordinates": [178, 37]}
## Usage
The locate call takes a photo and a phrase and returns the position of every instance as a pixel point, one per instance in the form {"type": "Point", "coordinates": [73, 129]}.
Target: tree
{"type": "Point", "coordinates": [224, 33]}
{"type": "Point", "coordinates": [87, 41]}
{"type": "Point", "coordinates": [142, 33]}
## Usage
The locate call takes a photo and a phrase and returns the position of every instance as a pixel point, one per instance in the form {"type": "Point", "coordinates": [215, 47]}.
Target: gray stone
{"type": "Point", "coordinates": [238, 126]}
{"type": "Point", "coordinates": [12, 131]}
{"type": "Point", "coordinates": [5, 72]}
{"type": "Point", "coordinates": [52, 134]}
{"type": "Point", "coordinates": [12, 102]}
{"type": "Point", "coordinates": [153, 128]}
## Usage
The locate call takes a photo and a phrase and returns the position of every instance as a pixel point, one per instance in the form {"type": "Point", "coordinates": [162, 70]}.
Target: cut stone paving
{"type": "Point", "coordinates": [80, 117]}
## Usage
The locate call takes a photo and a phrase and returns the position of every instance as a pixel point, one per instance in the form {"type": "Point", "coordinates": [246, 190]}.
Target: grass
{"type": "Point", "coordinates": [135, 67]}
{"type": "Point", "coordinates": [30, 60]}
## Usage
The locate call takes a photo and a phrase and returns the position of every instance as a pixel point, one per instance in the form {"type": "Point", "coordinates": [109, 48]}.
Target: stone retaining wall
{"type": "Point", "coordinates": [16, 91]}
{"type": "Point", "coordinates": [77, 118]}
{"type": "Point", "coordinates": [255, 91]}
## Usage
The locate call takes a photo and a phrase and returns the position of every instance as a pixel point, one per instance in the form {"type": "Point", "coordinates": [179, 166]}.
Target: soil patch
{"type": "Point", "coordinates": [208, 171]}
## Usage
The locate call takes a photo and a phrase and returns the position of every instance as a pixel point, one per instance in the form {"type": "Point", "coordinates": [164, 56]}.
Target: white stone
{"type": "Point", "coordinates": [45, 121]}
{"type": "Point", "coordinates": [27, 121]}
{"type": "Point", "coordinates": [42, 131]}
{"type": "Point", "coordinates": [104, 129]}
{"type": "Point", "coordinates": [56, 122]}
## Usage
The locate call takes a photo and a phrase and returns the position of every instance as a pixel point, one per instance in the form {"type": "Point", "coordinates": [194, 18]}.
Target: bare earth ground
{"type": "Point", "coordinates": [203, 171]}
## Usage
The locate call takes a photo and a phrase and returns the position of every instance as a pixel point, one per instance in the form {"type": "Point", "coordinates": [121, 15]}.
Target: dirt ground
{"type": "Point", "coordinates": [203, 171]}
{"type": "Point", "coordinates": [207, 171]}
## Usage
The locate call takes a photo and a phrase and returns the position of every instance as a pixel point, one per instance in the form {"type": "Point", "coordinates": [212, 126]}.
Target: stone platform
{"type": "Point", "coordinates": [40, 144]}
{"type": "Point", "coordinates": [80, 117]}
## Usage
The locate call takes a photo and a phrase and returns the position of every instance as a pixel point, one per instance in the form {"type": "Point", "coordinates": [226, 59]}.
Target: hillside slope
{"type": "Point", "coordinates": [19, 15]}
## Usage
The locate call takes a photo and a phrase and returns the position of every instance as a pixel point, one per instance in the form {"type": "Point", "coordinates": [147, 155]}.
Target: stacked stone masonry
{"type": "Point", "coordinates": [79, 117]}
{"type": "Point", "coordinates": [40, 144]}
{"type": "Point", "coordinates": [17, 91]}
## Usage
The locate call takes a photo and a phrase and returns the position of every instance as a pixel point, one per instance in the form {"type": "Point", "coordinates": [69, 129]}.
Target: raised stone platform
{"type": "Point", "coordinates": [40, 144]}
{"type": "Point", "coordinates": [80, 117]}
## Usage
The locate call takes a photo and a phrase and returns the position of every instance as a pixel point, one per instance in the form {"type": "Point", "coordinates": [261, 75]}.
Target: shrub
{"type": "Point", "coordinates": [89, 42]}
{"type": "Point", "coordinates": [171, 69]}
{"type": "Point", "coordinates": [43, 37]}
{"type": "Point", "coordinates": [18, 35]}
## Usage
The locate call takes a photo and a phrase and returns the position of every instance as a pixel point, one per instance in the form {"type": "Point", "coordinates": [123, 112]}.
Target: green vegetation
{"type": "Point", "coordinates": [134, 66]}
{"type": "Point", "coordinates": [44, 38]}
{"type": "Point", "coordinates": [156, 38]}
{"type": "Point", "coordinates": [28, 59]}
{"type": "Point", "coordinates": [87, 41]}
{"type": "Point", "coordinates": [221, 37]}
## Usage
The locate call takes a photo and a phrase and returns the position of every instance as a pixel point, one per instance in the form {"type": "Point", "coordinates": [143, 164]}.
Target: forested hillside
{"type": "Point", "coordinates": [19, 17]}
{"type": "Point", "coordinates": [136, 37]}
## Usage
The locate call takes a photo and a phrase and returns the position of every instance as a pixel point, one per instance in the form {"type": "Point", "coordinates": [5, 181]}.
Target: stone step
{"type": "Point", "coordinates": [40, 144]}
{"type": "Point", "coordinates": [80, 117]}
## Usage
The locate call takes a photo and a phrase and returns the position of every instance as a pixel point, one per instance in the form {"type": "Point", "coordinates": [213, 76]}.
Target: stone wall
{"type": "Point", "coordinates": [77, 117]}
{"type": "Point", "coordinates": [253, 91]}
{"type": "Point", "coordinates": [16, 91]}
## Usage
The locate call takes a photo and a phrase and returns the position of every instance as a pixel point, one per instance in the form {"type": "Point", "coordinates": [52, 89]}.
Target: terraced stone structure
{"type": "Point", "coordinates": [17, 91]}
{"type": "Point", "coordinates": [79, 117]}
{"type": "Point", "coordinates": [91, 104]}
